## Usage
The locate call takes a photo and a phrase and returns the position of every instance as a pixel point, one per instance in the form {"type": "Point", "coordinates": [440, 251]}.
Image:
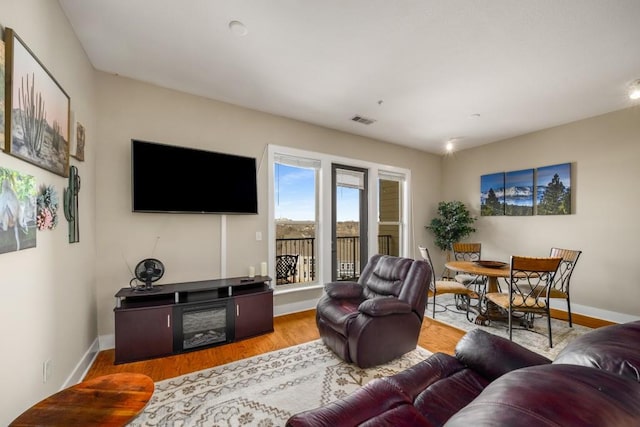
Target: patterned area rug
{"type": "Point", "coordinates": [536, 340]}
{"type": "Point", "coordinates": [263, 390]}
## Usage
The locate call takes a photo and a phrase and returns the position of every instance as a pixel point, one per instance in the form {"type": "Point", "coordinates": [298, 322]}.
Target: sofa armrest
{"type": "Point", "coordinates": [370, 404]}
{"type": "Point", "coordinates": [492, 356]}
{"type": "Point", "coordinates": [384, 306]}
{"type": "Point", "coordinates": [614, 348]}
{"type": "Point", "coordinates": [343, 289]}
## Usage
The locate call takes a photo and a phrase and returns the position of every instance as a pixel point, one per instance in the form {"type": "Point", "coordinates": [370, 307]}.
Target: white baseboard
{"type": "Point", "coordinates": [83, 365]}
{"type": "Point", "coordinates": [598, 313]}
{"type": "Point", "coordinates": [107, 342]}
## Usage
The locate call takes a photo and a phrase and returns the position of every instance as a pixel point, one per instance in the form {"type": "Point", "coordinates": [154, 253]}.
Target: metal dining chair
{"type": "Point", "coordinates": [560, 287]}
{"type": "Point", "coordinates": [440, 287]}
{"type": "Point", "coordinates": [530, 280]}
{"type": "Point", "coordinates": [469, 252]}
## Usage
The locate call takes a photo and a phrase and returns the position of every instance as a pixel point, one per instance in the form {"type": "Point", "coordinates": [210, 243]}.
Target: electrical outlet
{"type": "Point", "coordinates": [46, 370]}
{"type": "Point", "coordinates": [258, 235]}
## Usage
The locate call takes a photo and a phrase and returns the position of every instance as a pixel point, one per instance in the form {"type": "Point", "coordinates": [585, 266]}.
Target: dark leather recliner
{"type": "Point", "coordinates": [378, 318]}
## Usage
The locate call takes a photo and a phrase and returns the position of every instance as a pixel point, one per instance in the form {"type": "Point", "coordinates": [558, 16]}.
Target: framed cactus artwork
{"type": "Point", "coordinates": [37, 130]}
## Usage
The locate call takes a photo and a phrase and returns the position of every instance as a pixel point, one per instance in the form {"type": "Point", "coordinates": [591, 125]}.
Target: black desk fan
{"type": "Point", "coordinates": [148, 271]}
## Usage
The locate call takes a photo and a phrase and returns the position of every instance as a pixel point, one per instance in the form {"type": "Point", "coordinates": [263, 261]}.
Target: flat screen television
{"type": "Point", "coordinates": [173, 179]}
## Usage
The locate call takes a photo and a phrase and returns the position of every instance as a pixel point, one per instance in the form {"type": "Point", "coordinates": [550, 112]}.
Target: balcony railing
{"type": "Point", "coordinates": [348, 254]}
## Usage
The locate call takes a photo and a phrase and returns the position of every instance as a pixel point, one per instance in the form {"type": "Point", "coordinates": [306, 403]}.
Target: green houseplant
{"type": "Point", "coordinates": [453, 223]}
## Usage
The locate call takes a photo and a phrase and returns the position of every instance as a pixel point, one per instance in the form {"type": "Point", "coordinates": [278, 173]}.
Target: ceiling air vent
{"type": "Point", "coordinates": [363, 120]}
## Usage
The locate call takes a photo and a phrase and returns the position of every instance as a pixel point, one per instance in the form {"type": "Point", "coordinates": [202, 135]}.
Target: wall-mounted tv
{"type": "Point", "coordinates": [169, 178]}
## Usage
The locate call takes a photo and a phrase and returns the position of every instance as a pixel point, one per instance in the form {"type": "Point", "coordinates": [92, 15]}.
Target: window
{"type": "Point", "coordinates": [295, 208]}
{"type": "Point", "coordinates": [390, 213]}
{"type": "Point", "coordinates": [303, 210]}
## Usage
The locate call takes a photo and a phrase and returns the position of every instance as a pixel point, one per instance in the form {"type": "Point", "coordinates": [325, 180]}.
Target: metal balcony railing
{"type": "Point", "coordinates": [348, 252]}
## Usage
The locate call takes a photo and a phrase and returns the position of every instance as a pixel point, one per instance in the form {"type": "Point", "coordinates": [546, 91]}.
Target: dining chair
{"type": "Point", "coordinates": [530, 280]}
{"type": "Point", "coordinates": [469, 252]}
{"type": "Point", "coordinates": [560, 287]}
{"type": "Point", "coordinates": [286, 268]}
{"type": "Point", "coordinates": [440, 287]}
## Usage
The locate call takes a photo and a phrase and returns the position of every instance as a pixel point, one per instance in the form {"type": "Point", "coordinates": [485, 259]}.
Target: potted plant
{"type": "Point", "coordinates": [453, 223]}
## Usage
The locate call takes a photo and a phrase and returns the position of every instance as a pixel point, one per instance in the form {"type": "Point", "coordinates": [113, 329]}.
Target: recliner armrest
{"type": "Point", "coordinates": [343, 289]}
{"type": "Point", "coordinates": [384, 306]}
{"type": "Point", "coordinates": [492, 356]}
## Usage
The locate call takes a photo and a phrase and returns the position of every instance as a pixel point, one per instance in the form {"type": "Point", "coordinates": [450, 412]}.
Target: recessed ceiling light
{"type": "Point", "coordinates": [634, 90]}
{"type": "Point", "coordinates": [238, 28]}
{"type": "Point", "coordinates": [449, 146]}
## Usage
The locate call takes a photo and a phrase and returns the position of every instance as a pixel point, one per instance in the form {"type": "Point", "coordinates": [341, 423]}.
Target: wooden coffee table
{"type": "Point", "coordinates": [109, 400]}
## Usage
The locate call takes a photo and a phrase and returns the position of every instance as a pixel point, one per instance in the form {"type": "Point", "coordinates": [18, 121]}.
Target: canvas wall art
{"type": "Point", "coordinates": [492, 194]}
{"type": "Point", "coordinates": [37, 129]}
{"type": "Point", "coordinates": [553, 185]}
{"type": "Point", "coordinates": [518, 187]}
{"type": "Point", "coordinates": [2, 80]}
{"type": "Point", "coordinates": [17, 211]}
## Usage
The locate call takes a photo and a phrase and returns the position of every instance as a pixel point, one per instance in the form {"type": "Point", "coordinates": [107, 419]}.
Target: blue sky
{"type": "Point", "coordinates": [295, 200]}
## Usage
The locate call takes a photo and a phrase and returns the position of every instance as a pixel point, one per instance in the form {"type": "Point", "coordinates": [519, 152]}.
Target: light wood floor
{"type": "Point", "coordinates": [289, 330]}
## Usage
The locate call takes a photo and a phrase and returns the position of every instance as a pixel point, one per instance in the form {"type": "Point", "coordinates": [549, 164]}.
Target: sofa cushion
{"type": "Point", "coordinates": [439, 386]}
{"type": "Point", "coordinates": [554, 395]}
{"type": "Point", "coordinates": [614, 348]}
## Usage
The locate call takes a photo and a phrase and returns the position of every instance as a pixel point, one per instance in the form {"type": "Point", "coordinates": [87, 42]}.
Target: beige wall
{"type": "Point", "coordinates": [605, 153]}
{"type": "Point", "coordinates": [189, 245]}
{"type": "Point", "coordinates": [48, 292]}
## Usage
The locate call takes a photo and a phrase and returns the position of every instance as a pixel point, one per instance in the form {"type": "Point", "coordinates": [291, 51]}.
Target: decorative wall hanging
{"type": "Point", "coordinates": [47, 201]}
{"type": "Point", "coordinates": [553, 184]}
{"type": "Point", "coordinates": [79, 153]}
{"type": "Point", "coordinates": [518, 199]}
{"type": "Point", "coordinates": [71, 204]}
{"type": "Point", "coordinates": [2, 80]}
{"type": "Point", "coordinates": [492, 194]}
{"type": "Point", "coordinates": [17, 211]}
{"type": "Point", "coordinates": [38, 127]}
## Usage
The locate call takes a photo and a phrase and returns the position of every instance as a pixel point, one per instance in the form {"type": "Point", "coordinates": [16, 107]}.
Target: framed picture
{"type": "Point", "coordinates": [37, 130]}
{"type": "Point", "coordinates": [2, 79]}
{"type": "Point", "coordinates": [492, 194]}
{"type": "Point", "coordinates": [553, 184]}
{"type": "Point", "coordinates": [17, 211]}
{"type": "Point", "coordinates": [80, 134]}
{"type": "Point", "coordinates": [518, 200]}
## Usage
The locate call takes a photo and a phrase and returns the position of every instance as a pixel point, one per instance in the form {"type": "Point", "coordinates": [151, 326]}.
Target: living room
{"type": "Point", "coordinates": [62, 295]}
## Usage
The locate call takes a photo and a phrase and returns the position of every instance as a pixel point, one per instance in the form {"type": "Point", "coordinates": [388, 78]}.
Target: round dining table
{"type": "Point", "coordinates": [472, 267]}
{"type": "Point", "coordinates": [493, 273]}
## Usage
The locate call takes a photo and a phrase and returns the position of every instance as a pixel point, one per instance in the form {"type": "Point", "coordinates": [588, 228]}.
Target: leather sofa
{"type": "Point", "coordinates": [491, 381]}
{"type": "Point", "coordinates": [377, 318]}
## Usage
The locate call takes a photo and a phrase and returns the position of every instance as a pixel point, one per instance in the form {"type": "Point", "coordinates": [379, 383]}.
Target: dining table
{"type": "Point", "coordinates": [492, 270]}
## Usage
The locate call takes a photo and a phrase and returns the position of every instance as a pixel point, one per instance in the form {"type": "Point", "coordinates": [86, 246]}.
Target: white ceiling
{"type": "Point", "coordinates": [427, 71]}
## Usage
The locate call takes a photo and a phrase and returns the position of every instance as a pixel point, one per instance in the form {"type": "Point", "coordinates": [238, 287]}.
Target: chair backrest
{"type": "Point", "coordinates": [467, 251]}
{"type": "Point", "coordinates": [286, 266]}
{"type": "Point", "coordinates": [403, 278]}
{"type": "Point", "coordinates": [565, 269]}
{"type": "Point", "coordinates": [424, 253]}
{"type": "Point", "coordinates": [530, 279]}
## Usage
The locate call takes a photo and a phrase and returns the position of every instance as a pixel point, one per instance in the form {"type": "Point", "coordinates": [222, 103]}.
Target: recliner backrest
{"type": "Point", "coordinates": [403, 278]}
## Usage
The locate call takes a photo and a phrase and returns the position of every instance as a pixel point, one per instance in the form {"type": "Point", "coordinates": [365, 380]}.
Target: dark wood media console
{"type": "Point", "coordinates": [175, 318]}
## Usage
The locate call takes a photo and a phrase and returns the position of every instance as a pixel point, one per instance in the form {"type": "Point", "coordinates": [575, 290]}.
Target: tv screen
{"type": "Point", "coordinates": [168, 178]}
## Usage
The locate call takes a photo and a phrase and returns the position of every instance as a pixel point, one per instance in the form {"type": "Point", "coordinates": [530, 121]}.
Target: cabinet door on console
{"type": "Point", "coordinates": [142, 333]}
{"type": "Point", "coordinates": [254, 314]}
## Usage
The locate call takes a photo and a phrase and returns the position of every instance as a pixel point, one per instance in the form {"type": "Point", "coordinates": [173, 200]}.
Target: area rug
{"type": "Point", "coordinates": [263, 390]}
{"type": "Point", "coordinates": [536, 340]}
